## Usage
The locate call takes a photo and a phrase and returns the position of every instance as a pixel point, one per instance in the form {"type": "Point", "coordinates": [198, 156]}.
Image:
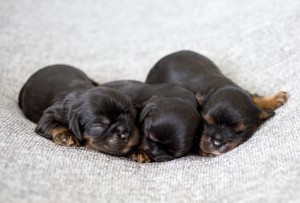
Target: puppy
{"type": "Point", "coordinates": [231, 115]}
{"type": "Point", "coordinates": [70, 110]}
{"type": "Point", "coordinates": [168, 119]}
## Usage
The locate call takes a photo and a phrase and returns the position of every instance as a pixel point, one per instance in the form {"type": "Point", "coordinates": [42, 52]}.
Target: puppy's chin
{"type": "Point", "coordinates": [207, 149]}
{"type": "Point", "coordinates": [158, 153]}
{"type": "Point", "coordinates": [163, 158]}
{"type": "Point", "coordinates": [112, 145]}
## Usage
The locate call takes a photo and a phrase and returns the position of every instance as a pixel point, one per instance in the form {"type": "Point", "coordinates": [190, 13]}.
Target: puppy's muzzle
{"type": "Point", "coordinates": [217, 141]}
{"type": "Point", "coordinates": [123, 133]}
{"type": "Point", "coordinates": [163, 158]}
{"type": "Point", "coordinates": [215, 146]}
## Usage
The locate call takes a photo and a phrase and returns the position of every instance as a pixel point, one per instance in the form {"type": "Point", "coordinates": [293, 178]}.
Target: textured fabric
{"type": "Point", "coordinates": [256, 43]}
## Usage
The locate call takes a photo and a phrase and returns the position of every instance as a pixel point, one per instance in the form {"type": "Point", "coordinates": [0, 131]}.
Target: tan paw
{"type": "Point", "coordinates": [271, 102]}
{"type": "Point", "coordinates": [279, 99]}
{"type": "Point", "coordinates": [140, 157]}
{"type": "Point", "coordinates": [63, 136]}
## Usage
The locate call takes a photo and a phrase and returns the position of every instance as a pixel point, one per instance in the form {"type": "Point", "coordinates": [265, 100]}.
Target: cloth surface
{"type": "Point", "coordinates": [255, 43]}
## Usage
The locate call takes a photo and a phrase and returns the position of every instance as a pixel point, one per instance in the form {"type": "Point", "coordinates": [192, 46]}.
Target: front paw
{"type": "Point", "coordinates": [140, 157]}
{"type": "Point", "coordinates": [63, 136]}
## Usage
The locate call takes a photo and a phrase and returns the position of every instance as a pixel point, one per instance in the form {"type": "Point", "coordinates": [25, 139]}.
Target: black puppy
{"type": "Point", "coordinates": [169, 119]}
{"type": "Point", "coordinates": [231, 115]}
{"type": "Point", "coordinates": [69, 109]}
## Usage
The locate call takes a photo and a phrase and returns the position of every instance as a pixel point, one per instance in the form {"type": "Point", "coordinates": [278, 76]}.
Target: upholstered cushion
{"type": "Point", "coordinates": [255, 43]}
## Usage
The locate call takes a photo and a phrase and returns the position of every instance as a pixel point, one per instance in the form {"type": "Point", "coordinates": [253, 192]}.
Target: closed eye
{"type": "Point", "coordinates": [230, 140]}
{"type": "Point", "coordinates": [151, 140]}
{"type": "Point", "coordinates": [152, 137]}
{"type": "Point", "coordinates": [95, 130]}
{"type": "Point", "coordinates": [104, 122]}
{"type": "Point", "coordinates": [239, 132]}
{"type": "Point", "coordinates": [103, 125]}
{"type": "Point", "coordinates": [172, 151]}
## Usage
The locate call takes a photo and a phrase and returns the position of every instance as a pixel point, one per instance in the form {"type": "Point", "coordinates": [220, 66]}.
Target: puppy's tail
{"type": "Point", "coordinates": [21, 96]}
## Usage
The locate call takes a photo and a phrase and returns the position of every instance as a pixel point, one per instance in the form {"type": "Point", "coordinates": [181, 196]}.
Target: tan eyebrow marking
{"type": "Point", "coordinates": [209, 119]}
{"type": "Point", "coordinates": [238, 127]}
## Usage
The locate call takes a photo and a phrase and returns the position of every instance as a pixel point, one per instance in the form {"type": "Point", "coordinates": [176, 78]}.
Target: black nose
{"type": "Point", "coordinates": [216, 143]}
{"type": "Point", "coordinates": [122, 132]}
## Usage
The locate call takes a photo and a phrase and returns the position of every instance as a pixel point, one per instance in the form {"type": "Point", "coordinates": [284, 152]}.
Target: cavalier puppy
{"type": "Point", "coordinates": [231, 115]}
{"type": "Point", "coordinates": [70, 110]}
{"type": "Point", "coordinates": [168, 118]}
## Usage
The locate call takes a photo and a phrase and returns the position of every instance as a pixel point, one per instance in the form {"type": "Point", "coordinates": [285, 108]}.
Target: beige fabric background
{"type": "Point", "coordinates": [256, 43]}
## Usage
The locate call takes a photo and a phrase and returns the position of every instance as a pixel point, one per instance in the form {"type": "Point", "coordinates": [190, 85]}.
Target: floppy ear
{"type": "Point", "coordinates": [74, 126]}
{"type": "Point", "coordinates": [146, 111]}
{"type": "Point", "coordinates": [51, 118]}
{"type": "Point", "coordinates": [265, 115]}
{"type": "Point", "coordinates": [200, 98]}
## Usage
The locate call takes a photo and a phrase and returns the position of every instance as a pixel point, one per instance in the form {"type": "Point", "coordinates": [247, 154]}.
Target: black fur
{"type": "Point", "coordinates": [168, 117]}
{"type": "Point", "coordinates": [101, 118]}
{"type": "Point", "coordinates": [230, 116]}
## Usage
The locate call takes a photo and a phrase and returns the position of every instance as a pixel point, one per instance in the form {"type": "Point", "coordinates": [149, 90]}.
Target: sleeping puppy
{"type": "Point", "coordinates": [231, 115]}
{"type": "Point", "coordinates": [169, 119]}
{"type": "Point", "coordinates": [69, 109]}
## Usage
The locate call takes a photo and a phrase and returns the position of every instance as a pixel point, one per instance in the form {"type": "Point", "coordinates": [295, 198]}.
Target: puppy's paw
{"type": "Point", "coordinates": [140, 157]}
{"type": "Point", "coordinates": [63, 136]}
{"type": "Point", "coordinates": [66, 138]}
{"type": "Point", "coordinates": [271, 102]}
{"type": "Point", "coordinates": [279, 99]}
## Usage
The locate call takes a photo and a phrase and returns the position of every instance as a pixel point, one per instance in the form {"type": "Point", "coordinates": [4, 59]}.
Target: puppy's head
{"type": "Point", "coordinates": [230, 118]}
{"type": "Point", "coordinates": [103, 118]}
{"type": "Point", "coordinates": [169, 128]}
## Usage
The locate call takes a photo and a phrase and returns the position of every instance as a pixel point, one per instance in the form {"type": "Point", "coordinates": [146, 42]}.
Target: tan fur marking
{"type": "Point", "coordinates": [208, 119]}
{"type": "Point", "coordinates": [140, 157]}
{"type": "Point", "coordinates": [264, 115]}
{"type": "Point", "coordinates": [239, 127]}
{"type": "Point", "coordinates": [62, 135]}
{"type": "Point", "coordinates": [59, 130]}
{"type": "Point", "coordinates": [271, 102]}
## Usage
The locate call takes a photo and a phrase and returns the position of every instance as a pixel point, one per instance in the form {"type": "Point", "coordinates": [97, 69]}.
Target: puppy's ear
{"type": "Point", "coordinates": [74, 126]}
{"type": "Point", "coordinates": [45, 125]}
{"type": "Point", "coordinates": [265, 115]}
{"type": "Point", "coordinates": [146, 111]}
{"type": "Point", "coordinates": [200, 98]}
{"type": "Point", "coordinates": [51, 118]}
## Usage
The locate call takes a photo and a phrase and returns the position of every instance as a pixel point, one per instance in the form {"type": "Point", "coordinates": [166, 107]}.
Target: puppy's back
{"type": "Point", "coordinates": [188, 69]}
{"type": "Point", "coordinates": [47, 84]}
{"type": "Point", "coordinates": [140, 92]}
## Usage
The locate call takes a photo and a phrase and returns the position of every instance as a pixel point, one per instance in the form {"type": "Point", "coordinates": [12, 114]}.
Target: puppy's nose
{"type": "Point", "coordinates": [122, 133]}
{"type": "Point", "coordinates": [217, 143]}
{"type": "Point", "coordinates": [124, 136]}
